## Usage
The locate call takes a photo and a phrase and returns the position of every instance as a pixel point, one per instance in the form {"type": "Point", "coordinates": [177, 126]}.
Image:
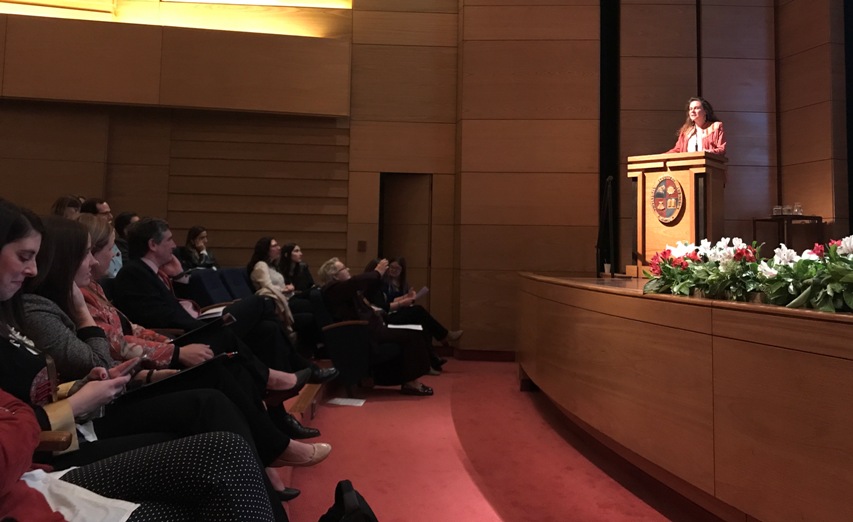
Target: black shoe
{"type": "Point", "coordinates": [321, 375]}
{"type": "Point", "coordinates": [436, 362]}
{"type": "Point", "coordinates": [287, 494]}
{"type": "Point", "coordinates": [276, 397]}
{"type": "Point", "coordinates": [296, 430]}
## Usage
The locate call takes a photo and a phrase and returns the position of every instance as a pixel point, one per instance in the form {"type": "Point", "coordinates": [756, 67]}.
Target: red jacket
{"type": "Point", "coordinates": [19, 436]}
{"type": "Point", "coordinates": [713, 141]}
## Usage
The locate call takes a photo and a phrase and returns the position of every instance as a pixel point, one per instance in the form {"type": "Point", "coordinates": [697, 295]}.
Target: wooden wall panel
{"type": "Point", "coordinates": [536, 248]}
{"type": "Point", "coordinates": [255, 72]}
{"type": "Point", "coordinates": [390, 28]}
{"type": "Point", "coordinates": [404, 83]}
{"type": "Point", "coordinates": [741, 40]}
{"type": "Point", "coordinates": [642, 34]}
{"type": "Point", "coordinates": [812, 100]}
{"type": "Point", "coordinates": [443, 202]}
{"type": "Point", "coordinates": [754, 90]}
{"type": "Point", "coordinates": [494, 199]}
{"type": "Point", "coordinates": [51, 150]}
{"type": "Point", "coordinates": [782, 425]}
{"type": "Point", "coordinates": [403, 147]}
{"type": "Point", "coordinates": [83, 61]}
{"type": "Point", "coordinates": [531, 22]}
{"type": "Point", "coordinates": [529, 145]}
{"type": "Point", "coordinates": [40, 182]}
{"type": "Point", "coordinates": [138, 188]}
{"type": "Point", "coordinates": [805, 130]}
{"type": "Point", "coordinates": [3, 22]}
{"type": "Point", "coordinates": [414, 6]}
{"type": "Point", "coordinates": [657, 83]}
{"type": "Point", "coordinates": [364, 191]}
{"type": "Point", "coordinates": [551, 70]}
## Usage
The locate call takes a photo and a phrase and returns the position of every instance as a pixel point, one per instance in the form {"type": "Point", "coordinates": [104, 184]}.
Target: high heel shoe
{"type": "Point", "coordinates": [276, 397]}
{"type": "Point", "coordinates": [321, 451]}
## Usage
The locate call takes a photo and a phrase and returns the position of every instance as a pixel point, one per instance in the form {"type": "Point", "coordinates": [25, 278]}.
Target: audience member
{"type": "Point", "coordinates": [99, 207]}
{"type": "Point", "coordinates": [268, 281]}
{"type": "Point", "coordinates": [397, 299]}
{"type": "Point", "coordinates": [121, 222]}
{"type": "Point", "coordinates": [343, 296]}
{"type": "Point", "coordinates": [66, 206]}
{"type": "Point", "coordinates": [296, 273]}
{"type": "Point", "coordinates": [148, 483]}
{"type": "Point", "coordinates": [194, 253]}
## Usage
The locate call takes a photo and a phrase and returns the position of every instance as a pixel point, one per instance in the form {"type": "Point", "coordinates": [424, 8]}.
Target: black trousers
{"type": "Point", "coordinates": [410, 361]}
{"type": "Point", "coordinates": [417, 314]}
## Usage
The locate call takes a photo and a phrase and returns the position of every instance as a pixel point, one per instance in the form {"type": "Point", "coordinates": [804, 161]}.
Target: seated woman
{"type": "Point", "coordinates": [78, 347]}
{"type": "Point", "coordinates": [224, 481]}
{"type": "Point", "coordinates": [343, 296]}
{"type": "Point", "coordinates": [397, 299]}
{"type": "Point", "coordinates": [268, 281]}
{"type": "Point", "coordinates": [297, 275]}
{"type": "Point", "coordinates": [194, 253]}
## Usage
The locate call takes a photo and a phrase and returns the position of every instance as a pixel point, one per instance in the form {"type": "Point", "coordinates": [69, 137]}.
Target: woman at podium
{"type": "Point", "coordinates": [702, 131]}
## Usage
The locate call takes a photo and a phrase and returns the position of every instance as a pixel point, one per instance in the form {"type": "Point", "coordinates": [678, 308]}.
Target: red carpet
{"type": "Point", "coordinates": [479, 450]}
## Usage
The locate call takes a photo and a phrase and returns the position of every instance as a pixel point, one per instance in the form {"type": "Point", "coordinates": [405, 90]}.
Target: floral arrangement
{"type": "Point", "coordinates": [820, 278]}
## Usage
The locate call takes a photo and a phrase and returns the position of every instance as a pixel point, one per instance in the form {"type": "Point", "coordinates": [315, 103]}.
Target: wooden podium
{"type": "Point", "coordinates": [679, 198]}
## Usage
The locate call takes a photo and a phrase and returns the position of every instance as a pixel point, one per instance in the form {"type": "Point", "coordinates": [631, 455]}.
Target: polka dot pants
{"type": "Point", "coordinates": [209, 477]}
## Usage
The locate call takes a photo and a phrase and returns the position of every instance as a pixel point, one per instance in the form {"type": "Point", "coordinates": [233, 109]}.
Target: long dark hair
{"type": "Point", "coordinates": [404, 285]}
{"type": "Point", "coordinates": [63, 249]}
{"type": "Point", "coordinates": [286, 266]}
{"type": "Point", "coordinates": [261, 253]}
{"type": "Point", "coordinates": [710, 117]}
{"type": "Point", "coordinates": [192, 234]}
{"type": "Point", "coordinates": [15, 223]}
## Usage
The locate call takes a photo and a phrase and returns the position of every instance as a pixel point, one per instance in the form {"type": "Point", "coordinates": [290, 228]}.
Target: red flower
{"type": "Point", "coordinates": [835, 242]}
{"type": "Point", "coordinates": [745, 254]}
{"type": "Point", "coordinates": [693, 256]}
{"type": "Point", "coordinates": [660, 257]}
{"type": "Point", "coordinates": [818, 250]}
{"type": "Point", "coordinates": [679, 262]}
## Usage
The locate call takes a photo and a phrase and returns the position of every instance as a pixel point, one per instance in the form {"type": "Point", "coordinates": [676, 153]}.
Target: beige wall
{"type": "Point", "coordinates": [495, 100]}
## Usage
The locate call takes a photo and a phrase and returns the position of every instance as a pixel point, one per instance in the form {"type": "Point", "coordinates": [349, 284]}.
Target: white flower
{"type": "Point", "coordinates": [681, 249]}
{"type": "Point", "coordinates": [846, 246]}
{"type": "Point", "coordinates": [723, 243]}
{"type": "Point", "coordinates": [726, 264]}
{"type": "Point", "coordinates": [809, 255]}
{"type": "Point", "coordinates": [765, 270]}
{"type": "Point", "coordinates": [785, 256]}
{"type": "Point", "coordinates": [704, 247]}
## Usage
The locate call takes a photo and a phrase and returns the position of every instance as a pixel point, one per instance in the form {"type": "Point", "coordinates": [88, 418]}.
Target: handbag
{"type": "Point", "coordinates": [349, 506]}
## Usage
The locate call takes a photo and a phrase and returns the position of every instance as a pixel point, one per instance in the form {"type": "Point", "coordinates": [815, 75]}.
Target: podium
{"type": "Point", "coordinates": [679, 198]}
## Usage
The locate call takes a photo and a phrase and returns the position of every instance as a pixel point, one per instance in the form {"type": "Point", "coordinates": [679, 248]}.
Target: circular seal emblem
{"type": "Point", "coordinates": [667, 199]}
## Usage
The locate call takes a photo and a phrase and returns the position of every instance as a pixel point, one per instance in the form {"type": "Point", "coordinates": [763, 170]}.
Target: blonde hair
{"type": "Point", "coordinates": [328, 270]}
{"type": "Point", "coordinates": [99, 229]}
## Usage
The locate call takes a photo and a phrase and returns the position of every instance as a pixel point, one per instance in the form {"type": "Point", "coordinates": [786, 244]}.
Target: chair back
{"type": "Point", "coordinates": [321, 314]}
{"type": "Point", "coordinates": [205, 287]}
{"type": "Point", "coordinates": [237, 281]}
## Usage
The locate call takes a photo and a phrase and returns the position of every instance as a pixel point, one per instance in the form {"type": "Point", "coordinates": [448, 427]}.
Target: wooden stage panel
{"type": "Point", "coordinates": [782, 428]}
{"type": "Point", "coordinates": [742, 408]}
{"type": "Point", "coordinates": [647, 386]}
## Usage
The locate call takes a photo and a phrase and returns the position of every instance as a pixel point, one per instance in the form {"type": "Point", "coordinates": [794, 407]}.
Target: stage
{"type": "Point", "coordinates": [747, 409]}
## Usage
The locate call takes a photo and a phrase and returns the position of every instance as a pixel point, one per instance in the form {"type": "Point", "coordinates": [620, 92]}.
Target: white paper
{"type": "Point", "coordinates": [422, 292]}
{"type": "Point", "coordinates": [346, 401]}
{"type": "Point", "coordinates": [407, 327]}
